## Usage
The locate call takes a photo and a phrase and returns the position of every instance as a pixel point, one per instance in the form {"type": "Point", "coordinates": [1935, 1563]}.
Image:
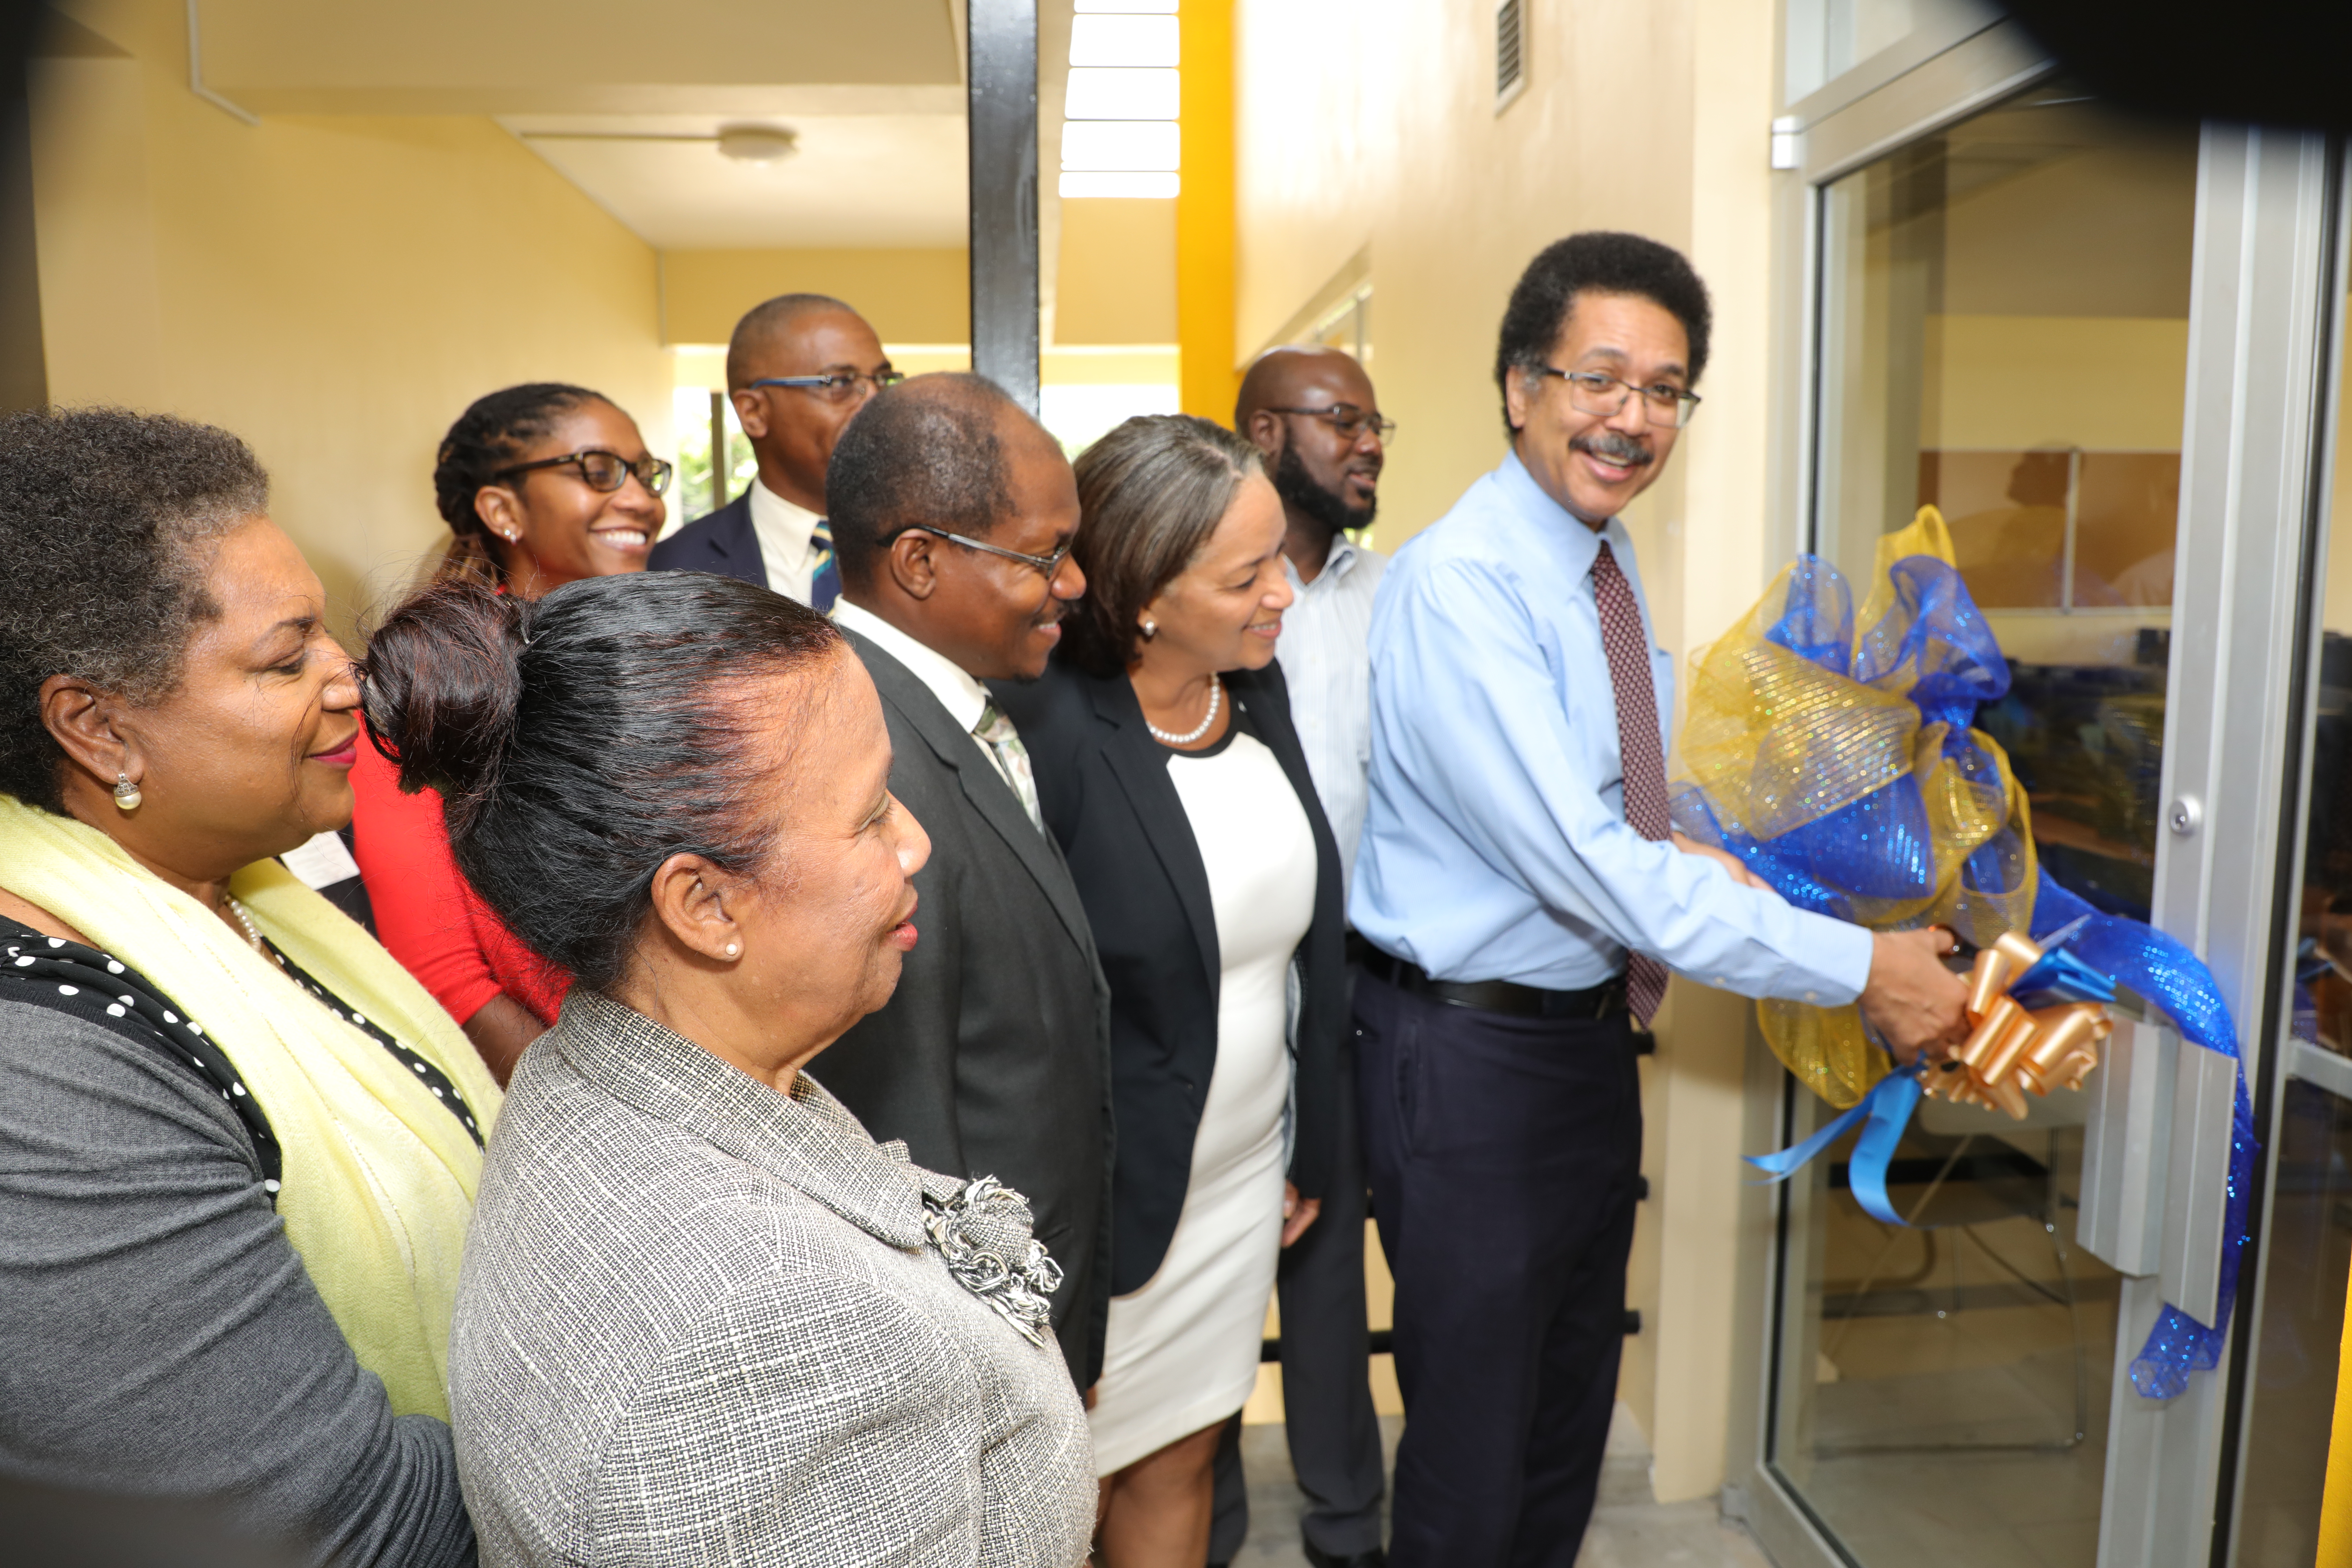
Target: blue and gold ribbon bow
{"type": "Point", "coordinates": [1836, 756]}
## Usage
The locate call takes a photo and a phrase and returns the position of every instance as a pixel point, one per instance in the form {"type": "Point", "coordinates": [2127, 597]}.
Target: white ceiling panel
{"type": "Point", "coordinates": [854, 179]}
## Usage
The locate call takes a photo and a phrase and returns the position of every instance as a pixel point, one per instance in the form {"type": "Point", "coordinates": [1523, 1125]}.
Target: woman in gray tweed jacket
{"type": "Point", "coordinates": [704, 1318]}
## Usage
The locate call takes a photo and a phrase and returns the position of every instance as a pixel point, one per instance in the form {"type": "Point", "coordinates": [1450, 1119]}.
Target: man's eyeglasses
{"type": "Point", "coordinates": [1589, 391]}
{"type": "Point", "coordinates": [835, 386]}
{"type": "Point", "coordinates": [1350, 421]}
{"type": "Point", "coordinates": [602, 470]}
{"type": "Point", "coordinates": [1048, 564]}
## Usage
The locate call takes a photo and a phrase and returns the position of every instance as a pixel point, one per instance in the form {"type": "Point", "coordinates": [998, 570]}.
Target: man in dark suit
{"type": "Point", "coordinates": [798, 368]}
{"type": "Point", "coordinates": [953, 515]}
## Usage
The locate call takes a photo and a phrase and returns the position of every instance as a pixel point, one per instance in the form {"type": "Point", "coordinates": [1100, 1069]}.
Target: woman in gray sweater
{"type": "Point", "coordinates": [704, 1318]}
{"type": "Point", "coordinates": [238, 1144]}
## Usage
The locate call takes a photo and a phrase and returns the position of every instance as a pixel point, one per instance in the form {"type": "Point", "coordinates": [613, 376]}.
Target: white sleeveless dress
{"type": "Point", "coordinates": [1183, 1352]}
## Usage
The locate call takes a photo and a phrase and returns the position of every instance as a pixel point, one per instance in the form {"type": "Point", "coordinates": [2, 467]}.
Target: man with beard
{"type": "Point", "coordinates": [953, 514]}
{"type": "Point", "coordinates": [1314, 415]}
{"type": "Point", "coordinates": [1525, 896]}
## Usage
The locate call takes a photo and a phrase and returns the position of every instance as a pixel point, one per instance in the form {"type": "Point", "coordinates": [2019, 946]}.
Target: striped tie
{"type": "Point", "coordinates": [825, 575]}
{"type": "Point", "coordinates": [1642, 760]}
{"type": "Point", "coordinates": [1003, 742]}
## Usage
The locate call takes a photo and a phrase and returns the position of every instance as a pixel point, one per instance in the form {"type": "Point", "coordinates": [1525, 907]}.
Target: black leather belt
{"type": "Point", "coordinates": [1606, 1000]}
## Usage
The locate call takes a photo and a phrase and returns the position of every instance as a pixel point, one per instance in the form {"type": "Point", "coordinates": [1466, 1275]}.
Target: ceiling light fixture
{"type": "Point", "coordinates": [758, 143]}
{"type": "Point", "coordinates": [744, 143]}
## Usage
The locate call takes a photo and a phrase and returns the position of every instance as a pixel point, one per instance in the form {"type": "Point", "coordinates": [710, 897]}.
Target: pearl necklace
{"type": "Point", "coordinates": [252, 931]}
{"type": "Point", "coordinates": [1216, 696]}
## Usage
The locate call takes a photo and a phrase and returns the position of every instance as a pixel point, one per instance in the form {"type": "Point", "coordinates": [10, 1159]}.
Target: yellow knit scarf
{"type": "Point", "coordinates": [379, 1179]}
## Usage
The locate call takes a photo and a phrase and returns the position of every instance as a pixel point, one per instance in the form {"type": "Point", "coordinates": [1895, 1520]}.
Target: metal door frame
{"type": "Point", "coordinates": [2282, 1059]}
{"type": "Point", "coordinates": [2264, 278]}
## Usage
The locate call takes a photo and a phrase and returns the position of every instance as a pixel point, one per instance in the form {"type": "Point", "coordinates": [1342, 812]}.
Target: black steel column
{"type": "Point", "coordinates": [1003, 130]}
{"type": "Point", "coordinates": [24, 368]}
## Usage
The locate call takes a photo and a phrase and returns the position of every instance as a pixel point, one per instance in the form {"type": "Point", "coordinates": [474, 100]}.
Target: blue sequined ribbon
{"type": "Point", "coordinates": [1876, 848]}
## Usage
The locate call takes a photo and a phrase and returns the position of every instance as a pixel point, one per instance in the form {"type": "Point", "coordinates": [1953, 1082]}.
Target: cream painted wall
{"type": "Point", "coordinates": [910, 296]}
{"type": "Point", "coordinates": [335, 289]}
{"type": "Point", "coordinates": [1382, 134]}
{"type": "Point", "coordinates": [1381, 140]}
{"type": "Point", "coordinates": [1117, 281]}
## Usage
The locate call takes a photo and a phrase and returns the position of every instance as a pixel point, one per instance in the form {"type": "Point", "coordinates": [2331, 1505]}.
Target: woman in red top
{"type": "Point", "coordinates": [542, 485]}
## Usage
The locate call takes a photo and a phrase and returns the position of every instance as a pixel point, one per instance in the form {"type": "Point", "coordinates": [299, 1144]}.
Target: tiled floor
{"type": "Point", "coordinates": [1629, 1530]}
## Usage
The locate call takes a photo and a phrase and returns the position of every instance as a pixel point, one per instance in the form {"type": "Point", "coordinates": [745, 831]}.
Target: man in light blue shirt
{"type": "Point", "coordinates": [1525, 896]}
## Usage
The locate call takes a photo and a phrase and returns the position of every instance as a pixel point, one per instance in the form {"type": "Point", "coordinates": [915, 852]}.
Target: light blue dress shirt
{"type": "Point", "coordinates": [1495, 846]}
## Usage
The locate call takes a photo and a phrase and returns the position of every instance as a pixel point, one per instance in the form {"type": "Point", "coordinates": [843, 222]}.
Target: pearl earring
{"type": "Point", "coordinates": [126, 793]}
{"type": "Point", "coordinates": [1151, 630]}
{"type": "Point", "coordinates": [733, 948]}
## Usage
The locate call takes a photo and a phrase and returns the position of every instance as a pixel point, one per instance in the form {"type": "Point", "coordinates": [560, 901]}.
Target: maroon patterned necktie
{"type": "Point", "coordinates": [1644, 760]}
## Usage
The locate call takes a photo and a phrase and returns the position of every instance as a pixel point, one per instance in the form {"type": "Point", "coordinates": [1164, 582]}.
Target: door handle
{"type": "Point", "coordinates": [2121, 1221]}
{"type": "Point", "coordinates": [2155, 1161]}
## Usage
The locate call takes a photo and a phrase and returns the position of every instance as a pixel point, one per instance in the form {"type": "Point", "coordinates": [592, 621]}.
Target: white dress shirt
{"type": "Point", "coordinates": [1495, 846]}
{"type": "Point", "coordinates": [1329, 670]}
{"type": "Point", "coordinates": [964, 699]}
{"type": "Point", "coordinates": [785, 530]}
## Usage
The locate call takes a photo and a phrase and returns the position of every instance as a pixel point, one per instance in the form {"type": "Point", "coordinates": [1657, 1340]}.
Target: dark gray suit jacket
{"type": "Point", "coordinates": [994, 1055]}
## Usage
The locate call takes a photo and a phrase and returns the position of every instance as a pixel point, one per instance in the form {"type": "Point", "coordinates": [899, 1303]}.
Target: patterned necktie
{"type": "Point", "coordinates": [825, 576]}
{"type": "Point", "coordinates": [1642, 759]}
{"type": "Point", "coordinates": [1003, 742]}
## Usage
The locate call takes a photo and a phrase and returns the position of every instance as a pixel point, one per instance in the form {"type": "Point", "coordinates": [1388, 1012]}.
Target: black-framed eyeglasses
{"type": "Point", "coordinates": [602, 470]}
{"type": "Point", "coordinates": [835, 386]}
{"type": "Point", "coordinates": [1350, 421]}
{"type": "Point", "coordinates": [1589, 391]}
{"type": "Point", "coordinates": [1048, 564]}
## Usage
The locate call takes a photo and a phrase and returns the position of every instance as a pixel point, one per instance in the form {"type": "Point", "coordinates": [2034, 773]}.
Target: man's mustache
{"type": "Point", "coordinates": [1621, 451]}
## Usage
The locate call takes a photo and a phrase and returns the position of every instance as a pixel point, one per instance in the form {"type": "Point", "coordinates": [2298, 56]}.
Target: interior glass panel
{"type": "Point", "coordinates": [2292, 1395]}
{"type": "Point", "coordinates": [2004, 317]}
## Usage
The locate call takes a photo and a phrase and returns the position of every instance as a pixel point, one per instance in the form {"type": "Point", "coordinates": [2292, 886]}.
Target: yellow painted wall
{"type": "Point", "coordinates": [1376, 147]}
{"type": "Point", "coordinates": [334, 289]}
{"type": "Point", "coordinates": [911, 296]}
{"type": "Point", "coordinates": [1205, 210]}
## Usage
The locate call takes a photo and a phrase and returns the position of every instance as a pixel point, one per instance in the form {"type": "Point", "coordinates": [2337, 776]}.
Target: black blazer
{"type": "Point", "coordinates": [721, 542]}
{"type": "Point", "coordinates": [994, 1055]}
{"type": "Point", "coordinates": [1103, 783]}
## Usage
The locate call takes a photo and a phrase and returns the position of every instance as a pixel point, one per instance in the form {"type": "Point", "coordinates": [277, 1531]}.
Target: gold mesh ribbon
{"type": "Point", "coordinates": [1773, 742]}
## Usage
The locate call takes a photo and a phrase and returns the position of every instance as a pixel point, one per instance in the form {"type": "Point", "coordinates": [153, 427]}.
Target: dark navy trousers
{"type": "Point", "coordinates": [1505, 1158]}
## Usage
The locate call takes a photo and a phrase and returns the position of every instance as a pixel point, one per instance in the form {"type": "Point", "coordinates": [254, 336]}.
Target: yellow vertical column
{"type": "Point", "coordinates": [1204, 211]}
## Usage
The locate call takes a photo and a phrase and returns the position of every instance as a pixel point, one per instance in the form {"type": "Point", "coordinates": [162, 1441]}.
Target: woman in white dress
{"type": "Point", "coordinates": [1169, 770]}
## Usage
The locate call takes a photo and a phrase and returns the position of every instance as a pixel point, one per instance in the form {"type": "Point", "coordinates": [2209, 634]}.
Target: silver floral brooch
{"type": "Point", "coordinates": [984, 1234]}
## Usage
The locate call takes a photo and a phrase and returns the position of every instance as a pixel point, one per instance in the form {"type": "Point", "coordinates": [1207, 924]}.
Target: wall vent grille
{"type": "Point", "coordinates": [1510, 51]}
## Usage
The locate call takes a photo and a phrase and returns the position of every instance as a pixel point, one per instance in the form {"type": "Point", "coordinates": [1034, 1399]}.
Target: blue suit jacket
{"type": "Point", "coordinates": [721, 542]}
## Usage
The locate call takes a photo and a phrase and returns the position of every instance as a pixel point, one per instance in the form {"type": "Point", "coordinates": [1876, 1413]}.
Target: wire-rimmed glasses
{"type": "Point", "coordinates": [837, 386]}
{"type": "Point", "coordinates": [1589, 391]}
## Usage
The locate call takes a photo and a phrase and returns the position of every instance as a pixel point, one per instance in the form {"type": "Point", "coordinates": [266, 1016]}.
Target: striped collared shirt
{"type": "Point", "coordinates": [1324, 658]}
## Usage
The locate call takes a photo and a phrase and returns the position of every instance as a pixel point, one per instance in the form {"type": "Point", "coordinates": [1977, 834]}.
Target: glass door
{"type": "Point", "coordinates": [2003, 329]}
{"type": "Point", "coordinates": [2289, 1371]}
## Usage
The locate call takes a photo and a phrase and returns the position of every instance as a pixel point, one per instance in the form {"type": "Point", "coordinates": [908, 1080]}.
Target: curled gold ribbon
{"type": "Point", "coordinates": [2011, 1051]}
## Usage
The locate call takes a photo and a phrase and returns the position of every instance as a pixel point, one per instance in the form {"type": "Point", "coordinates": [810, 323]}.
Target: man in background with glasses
{"type": "Point", "coordinates": [954, 512]}
{"type": "Point", "coordinates": [798, 367]}
{"type": "Point", "coordinates": [1313, 413]}
{"type": "Point", "coordinates": [1525, 896]}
